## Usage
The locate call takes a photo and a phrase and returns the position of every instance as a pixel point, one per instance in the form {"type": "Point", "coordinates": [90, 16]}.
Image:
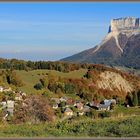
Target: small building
{"type": "Point", "coordinates": [109, 102]}
{"type": "Point", "coordinates": [10, 107]}
{"type": "Point", "coordinates": [68, 112]}
{"type": "Point", "coordinates": [24, 104]}
{"type": "Point", "coordinates": [18, 97]}
{"type": "Point", "coordinates": [80, 113]}
{"type": "Point", "coordinates": [3, 104]}
{"type": "Point", "coordinates": [79, 105]}
{"type": "Point", "coordinates": [103, 107]}
{"type": "Point", "coordinates": [1, 89]}
{"type": "Point", "coordinates": [69, 102]}
{"type": "Point", "coordinates": [94, 105]}
{"type": "Point", "coordinates": [63, 99]}
{"type": "Point", "coordinates": [10, 104]}
{"type": "Point", "coordinates": [23, 94]}
{"type": "Point", "coordinates": [55, 106]}
{"type": "Point", "coordinates": [7, 89]}
{"type": "Point", "coordinates": [86, 109]}
{"type": "Point", "coordinates": [91, 103]}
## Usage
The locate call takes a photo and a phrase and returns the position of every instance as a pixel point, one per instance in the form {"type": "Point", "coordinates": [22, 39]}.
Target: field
{"type": "Point", "coordinates": [84, 127]}
{"type": "Point", "coordinates": [30, 78]}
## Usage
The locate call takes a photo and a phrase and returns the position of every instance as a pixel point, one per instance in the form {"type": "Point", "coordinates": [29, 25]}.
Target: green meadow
{"type": "Point", "coordinates": [83, 127]}
{"type": "Point", "coordinates": [30, 78]}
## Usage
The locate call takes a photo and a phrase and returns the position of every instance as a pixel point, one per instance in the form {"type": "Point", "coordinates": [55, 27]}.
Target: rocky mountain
{"type": "Point", "coordinates": [121, 46]}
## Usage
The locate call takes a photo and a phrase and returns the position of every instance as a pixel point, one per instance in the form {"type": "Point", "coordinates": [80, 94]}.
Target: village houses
{"type": "Point", "coordinates": [82, 108]}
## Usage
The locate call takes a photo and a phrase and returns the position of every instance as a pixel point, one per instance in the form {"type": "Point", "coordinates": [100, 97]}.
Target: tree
{"type": "Point", "coordinates": [52, 86]}
{"type": "Point", "coordinates": [38, 86]}
{"type": "Point", "coordinates": [112, 106]}
{"type": "Point", "coordinates": [69, 88]}
{"type": "Point", "coordinates": [135, 99]}
{"type": "Point", "coordinates": [36, 109]}
{"type": "Point", "coordinates": [13, 78]}
{"type": "Point", "coordinates": [62, 104]}
{"type": "Point", "coordinates": [92, 114]}
{"type": "Point", "coordinates": [88, 75]}
{"type": "Point", "coordinates": [138, 94]}
{"type": "Point", "coordinates": [104, 114]}
{"type": "Point", "coordinates": [59, 92]}
{"type": "Point", "coordinates": [129, 99]}
{"type": "Point", "coordinates": [44, 81]}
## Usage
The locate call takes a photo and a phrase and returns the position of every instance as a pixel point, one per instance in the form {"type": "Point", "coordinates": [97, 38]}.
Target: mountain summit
{"type": "Point", "coordinates": [121, 46]}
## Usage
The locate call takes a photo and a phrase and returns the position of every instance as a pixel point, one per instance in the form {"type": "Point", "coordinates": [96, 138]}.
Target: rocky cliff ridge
{"type": "Point", "coordinates": [128, 23]}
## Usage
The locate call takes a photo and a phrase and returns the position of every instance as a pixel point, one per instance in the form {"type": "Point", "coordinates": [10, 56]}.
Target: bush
{"type": "Point", "coordinates": [93, 114]}
{"type": "Point", "coordinates": [13, 78]}
{"type": "Point", "coordinates": [36, 109]}
{"type": "Point", "coordinates": [104, 114]}
{"type": "Point", "coordinates": [38, 86]}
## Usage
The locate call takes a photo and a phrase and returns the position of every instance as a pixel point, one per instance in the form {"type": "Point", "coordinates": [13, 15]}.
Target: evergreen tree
{"type": "Point", "coordinates": [129, 99]}
{"type": "Point", "coordinates": [135, 99]}
{"type": "Point", "coordinates": [138, 94]}
{"type": "Point", "coordinates": [38, 86]}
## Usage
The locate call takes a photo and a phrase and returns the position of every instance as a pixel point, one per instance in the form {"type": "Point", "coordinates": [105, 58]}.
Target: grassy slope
{"type": "Point", "coordinates": [30, 78]}
{"type": "Point", "coordinates": [85, 127]}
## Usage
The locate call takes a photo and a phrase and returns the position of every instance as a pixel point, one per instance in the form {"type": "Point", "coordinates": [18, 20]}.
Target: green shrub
{"type": "Point", "coordinates": [104, 114]}
{"type": "Point", "coordinates": [38, 86]}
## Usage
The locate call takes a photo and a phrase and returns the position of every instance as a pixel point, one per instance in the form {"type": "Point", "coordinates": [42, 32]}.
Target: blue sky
{"type": "Point", "coordinates": [51, 31]}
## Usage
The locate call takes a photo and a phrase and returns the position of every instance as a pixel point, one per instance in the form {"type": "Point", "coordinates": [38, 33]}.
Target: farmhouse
{"type": "Point", "coordinates": [3, 104]}
{"type": "Point", "coordinates": [109, 102]}
{"type": "Point", "coordinates": [68, 112]}
{"type": "Point", "coordinates": [10, 107]}
{"type": "Point", "coordinates": [79, 105]}
{"type": "Point", "coordinates": [7, 89]}
{"type": "Point", "coordinates": [18, 97]}
{"type": "Point", "coordinates": [55, 106]}
{"type": "Point", "coordinates": [63, 99]}
{"type": "Point", "coordinates": [103, 107]}
{"type": "Point", "coordinates": [1, 89]}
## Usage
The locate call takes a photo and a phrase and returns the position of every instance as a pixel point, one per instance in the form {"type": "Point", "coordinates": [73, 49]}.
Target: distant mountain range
{"type": "Point", "coordinates": [121, 46]}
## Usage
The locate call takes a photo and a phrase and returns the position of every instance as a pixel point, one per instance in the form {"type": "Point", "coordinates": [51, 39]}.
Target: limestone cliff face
{"type": "Point", "coordinates": [129, 23]}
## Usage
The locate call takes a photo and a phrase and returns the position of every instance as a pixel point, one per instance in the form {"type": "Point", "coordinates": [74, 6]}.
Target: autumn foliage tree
{"type": "Point", "coordinates": [13, 78]}
{"type": "Point", "coordinates": [35, 109]}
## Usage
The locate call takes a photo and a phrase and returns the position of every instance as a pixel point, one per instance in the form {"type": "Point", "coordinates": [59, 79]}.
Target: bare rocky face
{"type": "Point", "coordinates": [129, 23]}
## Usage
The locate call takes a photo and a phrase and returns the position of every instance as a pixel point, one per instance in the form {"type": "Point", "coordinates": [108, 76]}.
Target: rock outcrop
{"type": "Point", "coordinates": [111, 80]}
{"type": "Point", "coordinates": [129, 23]}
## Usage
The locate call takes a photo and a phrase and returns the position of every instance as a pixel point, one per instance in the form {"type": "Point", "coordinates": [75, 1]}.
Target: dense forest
{"type": "Point", "coordinates": [31, 65]}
